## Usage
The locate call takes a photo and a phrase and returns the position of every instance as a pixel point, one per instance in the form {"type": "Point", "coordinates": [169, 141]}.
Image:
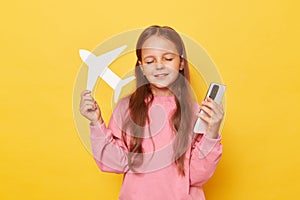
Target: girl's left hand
{"type": "Point", "coordinates": [213, 118]}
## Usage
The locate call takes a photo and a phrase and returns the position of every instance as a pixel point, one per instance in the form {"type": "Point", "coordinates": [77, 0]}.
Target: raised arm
{"type": "Point", "coordinates": [108, 148]}
{"type": "Point", "coordinates": [205, 156]}
{"type": "Point", "coordinates": [206, 149]}
{"type": "Point", "coordinates": [109, 151]}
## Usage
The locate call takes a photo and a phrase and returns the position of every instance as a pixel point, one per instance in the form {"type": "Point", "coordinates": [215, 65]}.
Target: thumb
{"type": "Point", "coordinates": [96, 104]}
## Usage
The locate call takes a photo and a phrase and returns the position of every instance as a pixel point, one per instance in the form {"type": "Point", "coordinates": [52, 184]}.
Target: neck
{"type": "Point", "coordinates": [161, 91]}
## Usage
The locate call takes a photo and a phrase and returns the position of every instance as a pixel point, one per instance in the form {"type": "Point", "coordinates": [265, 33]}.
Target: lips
{"type": "Point", "coordinates": [161, 75]}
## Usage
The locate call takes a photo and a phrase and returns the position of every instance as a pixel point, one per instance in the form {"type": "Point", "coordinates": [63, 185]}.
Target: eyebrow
{"type": "Point", "coordinates": [162, 54]}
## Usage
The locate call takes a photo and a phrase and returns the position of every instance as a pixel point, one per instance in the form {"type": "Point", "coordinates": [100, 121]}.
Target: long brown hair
{"type": "Point", "coordinates": [138, 107]}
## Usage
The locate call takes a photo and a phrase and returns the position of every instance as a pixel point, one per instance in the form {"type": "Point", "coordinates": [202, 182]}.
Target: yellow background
{"type": "Point", "coordinates": [255, 45]}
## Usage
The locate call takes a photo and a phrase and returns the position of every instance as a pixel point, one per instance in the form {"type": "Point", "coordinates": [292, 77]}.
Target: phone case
{"type": "Point", "coordinates": [216, 92]}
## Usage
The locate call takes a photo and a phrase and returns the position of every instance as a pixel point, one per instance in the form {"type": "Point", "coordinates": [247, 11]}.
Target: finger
{"type": "Point", "coordinates": [97, 107]}
{"type": "Point", "coordinates": [221, 105]}
{"type": "Point", "coordinates": [213, 105]}
{"type": "Point", "coordinates": [86, 101]}
{"type": "Point", "coordinates": [218, 114]}
{"type": "Point", "coordinates": [207, 110]}
{"type": "Point", "coordinates": [87, 97]}
{"type": "Point", "coordinates": [84, 110]}
{"type": "Point", "coordinates": [85, 92]}
{"type": "Point", "coordinates": [210, 102]}
{"type": "Point", "coordinates": [209, 105]}
{"type": "Point", "coordinates": [205, 118]}
{"type": "Point", "coordinates": [215, 115]}
{"type": "Point", "coordinates": [221, 109]}
{"type": "Point", "coordinates": [89, 104]}
{"type": "Point", "coordinates": [88, 108]}
{"type": "Point", "coordinates": [83, 96]}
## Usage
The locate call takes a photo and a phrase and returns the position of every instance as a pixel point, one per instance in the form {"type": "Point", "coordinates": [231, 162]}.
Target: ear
{"type": "Point", "coordinates": [140, 64]}
{"type": "Point", "coordinates": [181, 67]}
{"type": "Point", "coordinates": [141, 67]}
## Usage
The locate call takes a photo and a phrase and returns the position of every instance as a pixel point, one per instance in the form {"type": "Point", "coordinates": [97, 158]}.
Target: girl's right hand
{"type": "Point", "coordinates": [89, 108]}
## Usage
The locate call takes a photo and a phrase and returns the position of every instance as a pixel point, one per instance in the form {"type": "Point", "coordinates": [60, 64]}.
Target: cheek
{"type": "Point", "coordinates": [147, 71]}
{"type": "Point", "coordinates": [174, 68]}
{"type": "Point", "coordinates": [175, 65]}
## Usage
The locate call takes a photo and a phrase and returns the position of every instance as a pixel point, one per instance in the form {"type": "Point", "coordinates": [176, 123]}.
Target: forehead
{"type": "Point", "coordinates": [158, 44]}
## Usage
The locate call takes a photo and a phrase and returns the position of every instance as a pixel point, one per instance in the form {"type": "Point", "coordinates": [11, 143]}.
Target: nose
{"type": "Point", "coordinates": [159, 64]}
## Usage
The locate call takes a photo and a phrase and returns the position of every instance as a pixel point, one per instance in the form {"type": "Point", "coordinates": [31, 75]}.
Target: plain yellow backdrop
{"type": "Point", "coordinates": [255, 45]}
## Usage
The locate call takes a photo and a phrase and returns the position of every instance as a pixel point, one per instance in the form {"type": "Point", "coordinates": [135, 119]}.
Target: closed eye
{"type": "Point", "coordinates": [168, 59]}
{"type": "Point", "coordinates": [149, 62]}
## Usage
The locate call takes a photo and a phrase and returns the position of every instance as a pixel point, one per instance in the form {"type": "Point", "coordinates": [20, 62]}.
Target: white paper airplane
{"type": "Point", "coordinates": [98, 66]}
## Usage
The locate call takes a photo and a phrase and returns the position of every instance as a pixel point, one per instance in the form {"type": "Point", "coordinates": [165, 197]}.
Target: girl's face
{"type": "Point", "coordinates": [160, 63]}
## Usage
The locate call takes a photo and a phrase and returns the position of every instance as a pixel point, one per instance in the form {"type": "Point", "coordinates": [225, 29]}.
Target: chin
{"type": "Point", "coordinates": [160, 86]}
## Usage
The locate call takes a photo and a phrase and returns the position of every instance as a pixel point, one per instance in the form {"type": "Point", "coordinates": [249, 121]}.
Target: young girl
{"type": "Point", "coordinates": [149, 137]}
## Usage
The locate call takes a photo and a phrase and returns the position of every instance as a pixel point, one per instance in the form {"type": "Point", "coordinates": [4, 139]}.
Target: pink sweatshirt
{"type": "Point", "coordinates": [158, 177]}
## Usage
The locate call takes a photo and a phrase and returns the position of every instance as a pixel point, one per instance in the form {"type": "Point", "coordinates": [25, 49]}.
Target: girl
{"type": "Point", "coordinates": [149, 138]}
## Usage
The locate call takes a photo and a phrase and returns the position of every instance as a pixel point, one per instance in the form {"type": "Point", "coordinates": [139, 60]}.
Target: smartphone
{"type": "Point", "coordinates": [216, 92]}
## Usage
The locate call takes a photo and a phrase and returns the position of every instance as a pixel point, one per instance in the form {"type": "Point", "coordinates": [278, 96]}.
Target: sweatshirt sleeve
{"type": "Point", "coordinates": [108, 148]}
{"type": "Point", "coordinates": [205, 156]}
